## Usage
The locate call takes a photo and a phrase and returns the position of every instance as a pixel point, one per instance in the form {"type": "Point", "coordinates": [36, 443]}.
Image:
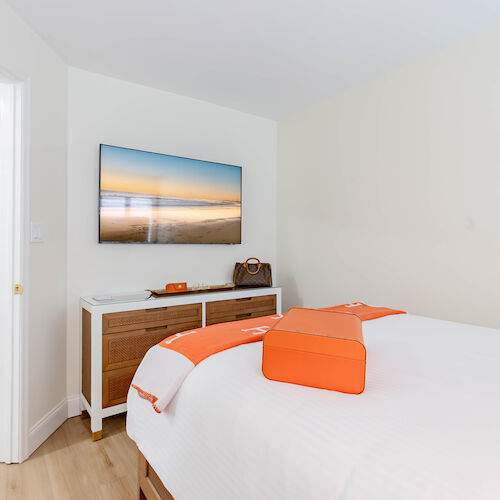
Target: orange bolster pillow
{"type": "Point", "coordinates": [316, 348]}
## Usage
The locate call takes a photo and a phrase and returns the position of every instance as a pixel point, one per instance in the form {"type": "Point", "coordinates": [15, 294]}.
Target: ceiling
{"type": "Point", "coordinates": [266, 57]}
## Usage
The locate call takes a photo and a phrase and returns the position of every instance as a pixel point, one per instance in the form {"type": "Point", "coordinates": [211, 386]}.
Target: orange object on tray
{"type": "Point", "coordinates": [176, 287]}
{"type": "Point", "coordinates": [316, 348]}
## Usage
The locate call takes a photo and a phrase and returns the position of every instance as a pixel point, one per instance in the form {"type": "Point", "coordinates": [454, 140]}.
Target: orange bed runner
{"type": "Point", "coordinates": [320, 348]}
{"type": "Point", "coordinates": [166, 365]}
{"type": "Point", "coordinates": [364, 311]}
{"type": "Point", "coordinates": [196, 345]}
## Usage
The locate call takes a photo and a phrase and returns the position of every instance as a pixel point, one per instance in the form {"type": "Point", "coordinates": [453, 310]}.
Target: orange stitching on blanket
{"type": "Point", "coordinates": [258, 330]}
{"type": "Point", "coordinates": [147, 396]}
{"type": "Point", "coordinates": [177, 336]}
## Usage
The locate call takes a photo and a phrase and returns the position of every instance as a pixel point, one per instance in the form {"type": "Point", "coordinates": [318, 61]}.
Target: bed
{"type": "Point", "coordinates": [427, 425]}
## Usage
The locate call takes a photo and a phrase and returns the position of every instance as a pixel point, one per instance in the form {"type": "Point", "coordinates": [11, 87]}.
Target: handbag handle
{"type": "Point", "coordinates": [259, 265]}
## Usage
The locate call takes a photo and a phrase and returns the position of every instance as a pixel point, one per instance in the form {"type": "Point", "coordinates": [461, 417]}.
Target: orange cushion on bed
{"type": "Point", "coordinates": [316, 348]}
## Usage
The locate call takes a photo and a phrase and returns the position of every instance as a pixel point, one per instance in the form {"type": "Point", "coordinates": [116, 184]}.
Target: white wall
{"type": "Point", "coordinates": [390, 192]}
{"type": "Point", "coordinates": [387, 193]}
{"type": "Point", "coordinates": [25, 56]}
{"type": "Point", "coordinates": [110, 111]}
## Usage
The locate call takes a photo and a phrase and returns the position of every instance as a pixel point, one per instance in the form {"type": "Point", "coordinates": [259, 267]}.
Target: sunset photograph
{"type": "Point", "coordinates": [156, 198]}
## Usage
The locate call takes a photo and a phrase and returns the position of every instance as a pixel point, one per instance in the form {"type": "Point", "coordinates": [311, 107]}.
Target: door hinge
{"type": "Point", "coordinates": [18, 289]}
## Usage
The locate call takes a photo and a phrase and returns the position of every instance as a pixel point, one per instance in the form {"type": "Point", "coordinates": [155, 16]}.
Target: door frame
{"type": "Point", "coordinates": [15, 358]}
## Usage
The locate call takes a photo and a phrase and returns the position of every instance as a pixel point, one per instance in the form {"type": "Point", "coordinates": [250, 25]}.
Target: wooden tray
{"type": "Point", "coordinates": [163, 293]}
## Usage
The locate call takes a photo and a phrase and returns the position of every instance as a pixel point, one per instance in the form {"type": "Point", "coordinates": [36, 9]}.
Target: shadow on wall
{"type": "Point", "coordinates": [291, 296]}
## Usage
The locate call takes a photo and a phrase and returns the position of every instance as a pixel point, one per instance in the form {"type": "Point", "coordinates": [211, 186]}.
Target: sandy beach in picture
{"type": "Point", "coordinates": [165, 199]}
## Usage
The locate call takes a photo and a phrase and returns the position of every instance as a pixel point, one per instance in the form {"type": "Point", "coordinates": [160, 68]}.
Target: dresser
{"type": "Point", "coordinates": [117, 333]}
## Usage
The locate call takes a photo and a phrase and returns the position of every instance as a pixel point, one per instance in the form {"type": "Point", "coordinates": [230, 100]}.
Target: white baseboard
{"type": "Point", "coordinates": [50, 422]}
{"type": "Point", "coordinates": [74, 406]}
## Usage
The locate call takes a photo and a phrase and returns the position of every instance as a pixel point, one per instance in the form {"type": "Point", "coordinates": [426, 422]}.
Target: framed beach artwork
{"type": "Point", "coordinates": [157, 198]}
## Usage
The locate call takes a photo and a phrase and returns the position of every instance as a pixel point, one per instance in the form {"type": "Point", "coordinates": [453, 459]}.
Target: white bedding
{"type": "Point", "coordinates": [427, 425]}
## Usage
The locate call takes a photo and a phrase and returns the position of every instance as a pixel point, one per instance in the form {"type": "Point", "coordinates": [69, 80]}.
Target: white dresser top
{"type": "Point", "coordinates": [137, 300]}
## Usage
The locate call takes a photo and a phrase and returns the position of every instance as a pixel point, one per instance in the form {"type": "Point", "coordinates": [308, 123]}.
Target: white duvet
{"type": "Point", "coordinates": [426, 427]}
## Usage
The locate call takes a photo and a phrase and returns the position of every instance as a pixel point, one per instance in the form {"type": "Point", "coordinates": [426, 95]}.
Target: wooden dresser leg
{"type": "Point", "coordinates": [95, 425]}
{"type": "Point", "coordinates": [96, 436]}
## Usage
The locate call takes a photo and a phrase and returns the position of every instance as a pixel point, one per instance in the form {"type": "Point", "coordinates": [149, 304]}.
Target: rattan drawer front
{"type": "Point", "coordinates": [240, 316]}
{"type": "Point", "coordinates": [147, 318]}
{"type": "Point", "coordinates": [223, 308]}
{"type": "Point", "coordinates": [115, 385]}
{"type": "Point", "coordinates": [128, 348]}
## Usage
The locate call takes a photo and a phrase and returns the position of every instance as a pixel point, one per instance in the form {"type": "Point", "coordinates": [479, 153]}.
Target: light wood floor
{"type": "Point", "coordinates": [70, 466]}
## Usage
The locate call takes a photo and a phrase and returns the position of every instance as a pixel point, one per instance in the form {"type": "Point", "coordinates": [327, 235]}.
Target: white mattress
{"type": "Point", "coordinates": [427, 425]}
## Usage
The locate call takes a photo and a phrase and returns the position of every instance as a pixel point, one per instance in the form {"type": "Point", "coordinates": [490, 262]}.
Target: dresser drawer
{"type": "Point", "coordinates": [226, 308]}
{"type": "Point", "coordinates": [245, 304]}
{"type": "Point", "coordinates": [115, 385]}
{"type": "Point", "coordinates": [240, 316]}
{"type": "Point", "coordinates": [148, 318]}
{"type": "Point", "coordinates": [128, 348]}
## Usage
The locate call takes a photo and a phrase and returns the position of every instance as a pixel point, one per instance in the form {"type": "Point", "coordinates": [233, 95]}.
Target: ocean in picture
{"type": "Point", "coordinates": [153, 198]}
{"type": "Point", "coordinates": [155, 219]}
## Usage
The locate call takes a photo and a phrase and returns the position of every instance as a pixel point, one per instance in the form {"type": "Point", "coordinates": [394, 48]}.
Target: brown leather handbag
{"type": "Point", "coordinates": [254, 274]}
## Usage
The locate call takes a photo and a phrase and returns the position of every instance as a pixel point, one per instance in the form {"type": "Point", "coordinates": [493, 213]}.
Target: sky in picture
{"type": "Point", "coordinates": [133, 171]}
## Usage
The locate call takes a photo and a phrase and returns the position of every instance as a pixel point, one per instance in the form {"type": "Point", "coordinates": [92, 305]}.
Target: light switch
{"type": "Point", "coordinates": [36, 232]}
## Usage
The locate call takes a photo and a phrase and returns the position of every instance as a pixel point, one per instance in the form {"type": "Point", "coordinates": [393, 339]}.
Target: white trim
{"type": "Point", "coordinates": [25, 95]}
{"type": "Point", "coordinates": [106, 412]}
{"type": "Point", "coordinates": [203, 314]}
{"type": "Point", "coordinates": [8, 426]}
{"type": "Point", "coordinates": [86, 405]}
{"type": "Point", "coordinates": [48, 424]}
{"type": "Point", "coordinates": [96, 372]}
{"type": "Point", "coordinates": [114, 410]}
{"type": "Point", "coordinates": [13, 444]}
{"type": "Point", "coordinates": [51, 421]}
{"type": "Point", "coordinates": [92, 305]}
{"type": "Point", "coordinates": [74, 406]}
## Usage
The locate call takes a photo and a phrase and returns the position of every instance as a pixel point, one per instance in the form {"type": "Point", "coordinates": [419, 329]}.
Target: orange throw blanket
{"type": "Point", "coordinates": [196, 345]}
{"type": "Point", "coordinates": [166, 365]}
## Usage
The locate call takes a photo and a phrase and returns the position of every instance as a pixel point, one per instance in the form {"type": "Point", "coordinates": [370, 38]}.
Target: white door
{"type": "Point", "coordinates": [11, 213]}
